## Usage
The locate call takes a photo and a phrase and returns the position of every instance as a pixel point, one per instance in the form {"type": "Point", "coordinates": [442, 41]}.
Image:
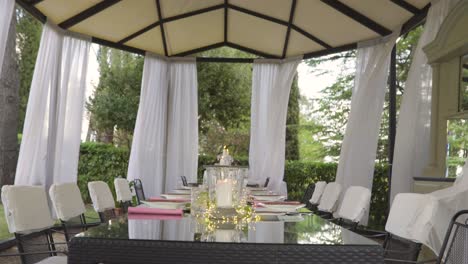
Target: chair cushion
{"type": "Point", "coordinates": [122, 190]}
{"type": "Point", "coordinates": [319, 188]}
{"type": "Point", "coordinates": [67, 201]}
{"type": "Point", "coordinates": [101, 196]}
{"type": "Point", "coordinates": [406, 207]}
{"type": "Point", "coordinates": [26, 208]}
{"type": "Point", "coordinates": [356, 202]}
{"type": "Point", "coordinates": [54, 260]}
{"type": "Point", "coordinates": [330, 197]}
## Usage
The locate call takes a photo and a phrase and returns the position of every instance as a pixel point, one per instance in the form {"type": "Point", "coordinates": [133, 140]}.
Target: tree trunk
{"type": "Point", "coordinates": [9, 110]}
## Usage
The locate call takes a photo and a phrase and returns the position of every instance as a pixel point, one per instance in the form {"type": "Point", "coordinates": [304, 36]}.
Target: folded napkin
{"type": "Point", "coordinates": [161, 199]}
{"type": "Point", "coordinates": [154, 211]}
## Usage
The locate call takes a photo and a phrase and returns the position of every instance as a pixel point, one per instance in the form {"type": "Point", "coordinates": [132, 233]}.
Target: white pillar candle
{"type": "Point", "coordinates": [224, 193]}
{"type": "Point", "coordinates": [222, 235]}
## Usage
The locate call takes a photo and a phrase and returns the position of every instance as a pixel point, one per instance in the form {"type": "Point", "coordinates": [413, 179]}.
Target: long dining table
{"type": "Point", "coordinates": [305, 238]}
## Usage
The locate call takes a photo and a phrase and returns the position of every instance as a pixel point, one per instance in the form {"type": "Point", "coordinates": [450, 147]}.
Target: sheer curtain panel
{"type": "Point", "coordinates": [359, 147]}
{"type": "Point", "coordinates": [271, 84]}
{"type": "Point", "coordinates": [412, 140]}
{"type": "Point", "coordinates": [148, 154]}
{"type": "Point", "coordinates": [182, 122]}
{"type": "Point", "coordinates": [51, 134]}
{"type": "Point", "coordinates": [6, 13]}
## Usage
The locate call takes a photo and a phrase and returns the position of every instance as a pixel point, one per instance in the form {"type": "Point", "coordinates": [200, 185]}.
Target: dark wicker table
{"type": "Point", "coordinates": [312, 240]}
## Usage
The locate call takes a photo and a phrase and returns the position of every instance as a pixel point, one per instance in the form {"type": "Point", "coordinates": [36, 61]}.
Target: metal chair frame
{"type": "Point", "coordinates": [140, 193]}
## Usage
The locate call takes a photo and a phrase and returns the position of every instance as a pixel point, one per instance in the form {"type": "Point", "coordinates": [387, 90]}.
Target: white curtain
{"type": "Point", "coordinates": [359, 147]}
{"type": "Point", "coordinates": [182, 122]}
{"type": "Point", "coordinates": [271, 84]}
{"type": "Point", "coordinates": [51, 134]}
{"type": "Point", "coordinates": [6, 13]}
{"type": "Point", "coordinates": [148, 155]}
{"type": "Point", "coordinates": [412, 140]}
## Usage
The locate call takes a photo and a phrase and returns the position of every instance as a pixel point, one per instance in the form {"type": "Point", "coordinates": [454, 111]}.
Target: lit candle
{"type": "Point", "coordinates": [224, 193]}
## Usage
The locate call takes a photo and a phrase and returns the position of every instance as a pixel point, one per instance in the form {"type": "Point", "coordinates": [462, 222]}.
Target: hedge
{"type": "Point", "coordinates": [105, 162]}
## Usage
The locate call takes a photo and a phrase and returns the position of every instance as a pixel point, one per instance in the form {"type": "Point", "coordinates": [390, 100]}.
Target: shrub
{"type": "Point", "coordinates": [100, 162]}
{"type": "Point", "coordinates": [105, 162]}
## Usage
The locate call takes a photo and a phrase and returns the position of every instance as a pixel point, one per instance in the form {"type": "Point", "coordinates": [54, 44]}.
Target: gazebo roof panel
{"type": "Point", "coordinates": [120, 20]}
{"type": "Point", "coordinates": [58, 10]}
{"type": "Point", "coordinates": [330, 25]}
{"type": "Point", "coordinates": [170, 8]}
{"type": "Point", "coordinates": [383, 12]}
{"type": "Point", "coordinates": [256, 33]}
{"type": "Point", "coordinates": [150, 41]}
{"type": "Point", "coordinates": [298, 44]}
{"type": "Point", "coordinates": [260, 27]}
{"type": "Point", "coordinates": [418, 3]}
{"type": "Point", "coordinates": [194, 32]}
{"type": "Point", "coordinates": [275, 8]}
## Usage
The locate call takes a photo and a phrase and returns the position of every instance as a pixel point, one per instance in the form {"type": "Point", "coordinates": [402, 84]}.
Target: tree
{"type": "Point", "coordinates": [292, 123]}
{"type": "Point", "coordinates": [114, 105]}
{"type": "Point", "coordinates": [9, 97]}
{"type": "Point", "coordinates": [28, 37]}
{"type": "Point", "coordinates": [334, 106]}
{"type": "Point", "coordinates": [224, 91]}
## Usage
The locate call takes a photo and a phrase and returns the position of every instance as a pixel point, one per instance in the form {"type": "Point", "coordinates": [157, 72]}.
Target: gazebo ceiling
{"type": "Point", "coordinates": [267, 28]}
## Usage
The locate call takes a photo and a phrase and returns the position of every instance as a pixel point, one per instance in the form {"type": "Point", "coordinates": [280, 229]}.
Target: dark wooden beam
{"type": "Point", "coordinates": [311, 37]}
{"type": "Point", "coordinates": [32, 10]}
{"type": "Point", "coordinates": [163, 34]}
{"type": "Point", "coordinates": [330, 51]}
{"type": "Point", "coordinates": [226, 21]}
{"type": "Point", "coordinates": [407, 6]}
{"type": "Point", "coordinates": [224, 60]}
{"type": "Point", "coordinates": [87, 13]}
{"type": "Point", "coordinates": [252, 51]}
{"type": "Point", "coordinates": [170, 19]}
{"type": "Point", "coordinates": [259, 15]}
{"type": "Point", "coordinates": [288, 31]}
{"type": "Point", "coordinates": [358, 17]}
{"type": "Point", "coordinates": [139, 32]}
{"type": "Point", "coordinates": [279, 21]}
{"type": "Point", "coordinates": [415, 20]}
{"type": "Point", "coordinates": [117, 46]}
{"type": "Point", "coordinates": [35, 2]}
{"type": "Point", "coordinates": [193, 13]}
{"type": "Point", "coordinates": [392, 111]}
{"type": "Point", "coordinates": [198, 50]}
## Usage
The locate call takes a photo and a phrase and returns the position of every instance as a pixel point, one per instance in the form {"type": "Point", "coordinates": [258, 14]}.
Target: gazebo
{"type": "Point", "coordinates": [170, 34]}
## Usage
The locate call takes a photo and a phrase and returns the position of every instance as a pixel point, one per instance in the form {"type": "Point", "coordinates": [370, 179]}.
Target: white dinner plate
{"type": "Point", "coordinates": [269, 198]}
{"type": "Point", "coordinates": [182, 191]}
{"type": "Point", "coordinates": [269, 216]}
{"type": "Point", "coordinates": [283, 207]}
{"type": "Point", "coordinates": [165, 205]}
{"type": "Point", "coordinates": [257, 188]}
{"type": "Point", "coordinates": [260, 192]}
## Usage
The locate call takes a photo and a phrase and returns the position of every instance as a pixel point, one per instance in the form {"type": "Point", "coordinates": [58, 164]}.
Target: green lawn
{"type": "Point", "coordinates": [4, 233]}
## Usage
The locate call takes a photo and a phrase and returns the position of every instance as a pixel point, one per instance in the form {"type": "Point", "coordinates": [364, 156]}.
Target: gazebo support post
{"type": "Point", "coordinates": [392, 109]}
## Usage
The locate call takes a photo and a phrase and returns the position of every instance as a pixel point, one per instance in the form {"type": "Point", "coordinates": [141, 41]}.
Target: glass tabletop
{"type": "Point", "coordinates": [305, 229]}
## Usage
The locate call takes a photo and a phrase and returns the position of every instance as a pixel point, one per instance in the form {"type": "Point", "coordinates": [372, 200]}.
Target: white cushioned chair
{"type": "Point", "coordinates": [329, 199]}
{"type": "Point", "coordinates": [355, 205]}
{"type": "Point", "coordinates": [103, 201]}
{"type": "Point", "coordinates": [123, 193]}
{"type": "Point", "coordinates": [28, 216]}
{"type": "Point", "coordinates": [69, 207]}
{"type": "Point", "coordinates": [318, 191]}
